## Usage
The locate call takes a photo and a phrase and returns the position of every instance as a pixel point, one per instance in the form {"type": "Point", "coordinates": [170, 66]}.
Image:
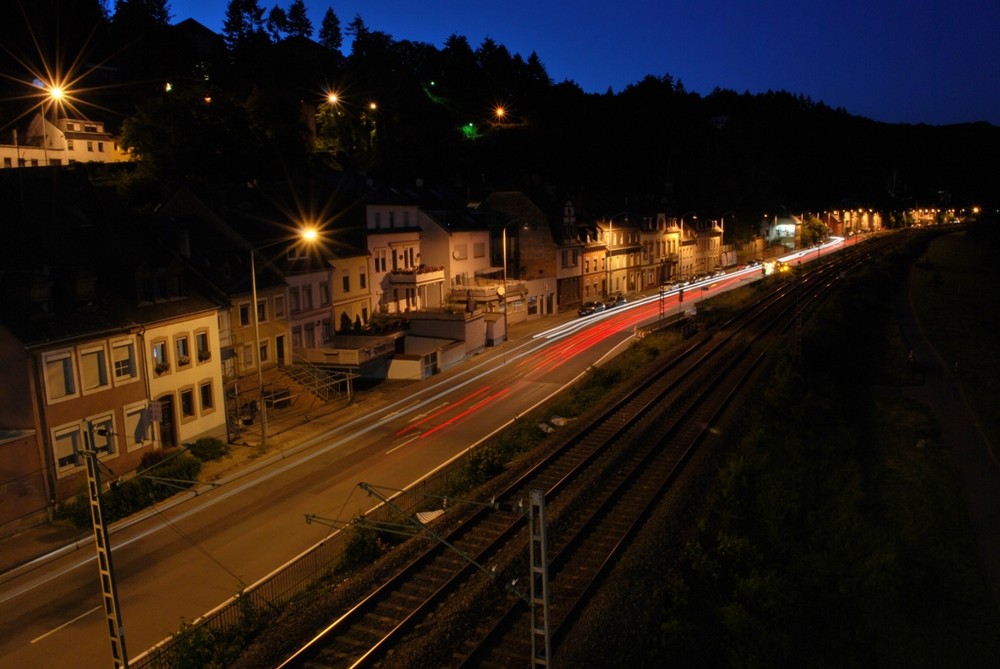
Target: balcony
{"type": "Point", "coordinates": [416, 276]}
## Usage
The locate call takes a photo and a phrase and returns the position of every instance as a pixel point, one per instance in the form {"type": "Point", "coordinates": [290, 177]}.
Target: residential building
{"type": "Point", "coordinates": [62, 142]}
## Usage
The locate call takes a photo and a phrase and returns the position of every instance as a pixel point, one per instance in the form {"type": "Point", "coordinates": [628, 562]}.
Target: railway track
{"type": "Point", "coordinates": [599, 484]}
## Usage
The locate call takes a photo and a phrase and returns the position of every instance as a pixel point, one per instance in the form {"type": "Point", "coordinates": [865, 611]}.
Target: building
{"type": "Point", "coordinates": [64, 142]}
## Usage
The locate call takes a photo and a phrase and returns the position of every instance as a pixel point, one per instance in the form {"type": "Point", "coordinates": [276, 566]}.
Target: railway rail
{"type": "Point", "coordinates": [599, 484]}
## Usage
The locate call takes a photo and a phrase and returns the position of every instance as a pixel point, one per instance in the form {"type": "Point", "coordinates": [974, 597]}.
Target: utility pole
{"type": "Point", "coordinates": [112, 611]}
{"type": "Point", "coordinates": [541, 646]}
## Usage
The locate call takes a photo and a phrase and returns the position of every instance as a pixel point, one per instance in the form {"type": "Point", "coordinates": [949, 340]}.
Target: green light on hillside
{"type": "Point", "coordinates": [470, 131]}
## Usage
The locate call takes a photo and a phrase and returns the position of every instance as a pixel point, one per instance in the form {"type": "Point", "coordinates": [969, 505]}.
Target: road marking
{"type": "Point", "coordinates": [416, 436]}
{"type": "Point", "coordinates": [66, 624]}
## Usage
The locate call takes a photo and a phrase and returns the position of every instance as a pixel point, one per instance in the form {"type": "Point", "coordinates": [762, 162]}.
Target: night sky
{"type": "Point", "coordinates": [898, 61]}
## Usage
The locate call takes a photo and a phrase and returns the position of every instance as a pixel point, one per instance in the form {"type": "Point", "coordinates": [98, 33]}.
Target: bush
{"type": "Point", "coordinates": [208, 448]}
{"type": "Point", "coordinates": [159, 477]}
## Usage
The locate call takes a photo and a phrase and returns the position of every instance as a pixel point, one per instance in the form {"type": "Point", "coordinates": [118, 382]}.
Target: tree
{"type": "Point", "coordinates": [299, 24]}
{"type": "Point", "coordinates": [277, 23]}
{"type": "Point", "coordinates": [244, 19]}
{"type": "Point", "coordinates": [142, 12]}
{"type": "Point", "coordinates": [329, 32]}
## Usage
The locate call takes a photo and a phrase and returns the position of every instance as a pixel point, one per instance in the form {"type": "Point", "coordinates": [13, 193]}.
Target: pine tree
{"type": "Point", "coordinates": [329, 31]}
{"type": "Point", "coordinates": [299, 24]}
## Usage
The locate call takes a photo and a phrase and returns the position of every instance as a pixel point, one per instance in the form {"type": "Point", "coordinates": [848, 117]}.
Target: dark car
{"type": "Point", "coordinates": [588, 308]}
{"type": "Point", "coordinates": [616, 301]}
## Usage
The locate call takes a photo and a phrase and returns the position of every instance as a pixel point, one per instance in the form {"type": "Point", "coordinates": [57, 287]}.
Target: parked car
{"type": "Point", "coordinates": [588, 308]}
{"type": "Point", "coordinates": [615, 301]}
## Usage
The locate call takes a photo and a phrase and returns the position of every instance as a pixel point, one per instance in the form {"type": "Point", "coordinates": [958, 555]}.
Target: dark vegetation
{"type": "Point", "coordinates": [653, 146]}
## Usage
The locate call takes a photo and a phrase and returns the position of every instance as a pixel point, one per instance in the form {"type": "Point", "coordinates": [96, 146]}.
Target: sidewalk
{"type": "Point", "coordinates": [30, 548]}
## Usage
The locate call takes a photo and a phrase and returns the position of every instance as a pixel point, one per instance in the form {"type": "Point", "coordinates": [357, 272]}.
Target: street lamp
{"type": "Point", "coordinates": [504, 251]}
{"type": "Point", "coordinates": [308, 235]}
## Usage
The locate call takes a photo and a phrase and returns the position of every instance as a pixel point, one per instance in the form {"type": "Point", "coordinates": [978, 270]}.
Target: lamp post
{"type": "Point", "coordinates": [503, 237]}
{"type": "Point", "coordinates": [308, 235]}
{"type": "Point", "coordinates": [55, 95]}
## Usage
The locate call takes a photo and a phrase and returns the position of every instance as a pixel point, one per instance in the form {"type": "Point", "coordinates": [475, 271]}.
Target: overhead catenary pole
{"type": "Point", "coordinates": [109, 590]}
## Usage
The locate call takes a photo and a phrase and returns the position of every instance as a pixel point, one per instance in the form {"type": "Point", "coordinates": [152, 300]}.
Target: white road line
{"type": "Point", "coordinates": [66, 624]}
{"type": "Point", "coordinates": [402, 444]}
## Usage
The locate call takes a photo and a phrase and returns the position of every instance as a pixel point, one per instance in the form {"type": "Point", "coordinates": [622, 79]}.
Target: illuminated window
{"type": "Point", "coordinates": [183, 351]}
{"type": "Point", "coordinates": [201, 343]}
{"type": "Point", "coordinates": [161, 359]}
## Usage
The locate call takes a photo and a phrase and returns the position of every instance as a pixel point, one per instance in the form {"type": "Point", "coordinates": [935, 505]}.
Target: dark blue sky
{"type": "Point", "coordinates": [898, 61]}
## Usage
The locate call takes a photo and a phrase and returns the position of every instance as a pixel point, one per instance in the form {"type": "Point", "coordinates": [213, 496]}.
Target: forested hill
{"type": "Point", "coordinates": [408, 110]}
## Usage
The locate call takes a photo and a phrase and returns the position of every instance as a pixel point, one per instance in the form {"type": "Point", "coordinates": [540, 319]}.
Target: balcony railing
{"type": "Point", "coordinates": [416, 276]}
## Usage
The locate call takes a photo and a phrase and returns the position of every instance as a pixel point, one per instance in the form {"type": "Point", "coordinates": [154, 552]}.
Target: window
{"type": "Point", "coordinates": [324, 293]}
{"type": "Point", "coordinates": [307, 297]}
{"type": "Point", "coordinates": [138, 425]}
{"type": "Point", "coordinates": [262, 310]}
{"type": "Point", "coordinates": [248, 355]}
{"type": "Point", "coordinates": [123, 360]}
{"type": "Point", "coordinates": [201, 343]}
{"type": "Point", "coordinates": [60, 378]}
{"type": "Point", "coordinates": [67, 442]}
{"type": "Point", "coordinates": [100, 147]}
{"type": "Point", "coordinates": [347, 282]}
{"type": "Point", "coordinates": [93, 368]}
{"type": "Point", "coordinates": [183, 350]}
{"type": "Point", "coordinates": [207, 398]}
{"type": "Point", "coordinates": [479, 250]}
{"type": "Point", "coordinates": [297, 336]}
{"type": "Point", "coordinates": [380, 260]}
{"type": "Point", "coordinates": [161, 361]}
{"type": "Point", "coordinates": [294, 295]}
{"type": "Point", "coordinates": [279, 306]}
{"type": "Point", "coordinates": [378, 219]}
{"type": "Point", "coordinates": [362, 281]}
{"type": "Point", "coordinates": [90, 146]}
{"type": "Point", "coordinates": [392, 219]}
{"type": "Point", "coordinates": [103, 431]}
{"type": "Point", "coordinates": [69, 144]}
{"type": "Point", "coordinates": [263, 352]}
{"type": "Point", "coordinates": [187, 403]}
{"type": "Point", "coordinates": [461, 251]}
{"type": "Point", "coordinates": [244, 314]}
{"type": "Point", "coordinates": [327, 330]}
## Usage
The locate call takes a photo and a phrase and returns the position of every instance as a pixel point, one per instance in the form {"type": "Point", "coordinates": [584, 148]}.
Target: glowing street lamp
{"type": "Point", "coordinates": [309, 235]}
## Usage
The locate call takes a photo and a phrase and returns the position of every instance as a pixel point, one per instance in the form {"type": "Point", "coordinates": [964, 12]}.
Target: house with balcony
{"type": "Point", "coordinates": [401, 279]}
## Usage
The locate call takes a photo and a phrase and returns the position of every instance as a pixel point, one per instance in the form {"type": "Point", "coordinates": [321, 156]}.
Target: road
{"type": "Point", "coordinates": [175, 565]}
